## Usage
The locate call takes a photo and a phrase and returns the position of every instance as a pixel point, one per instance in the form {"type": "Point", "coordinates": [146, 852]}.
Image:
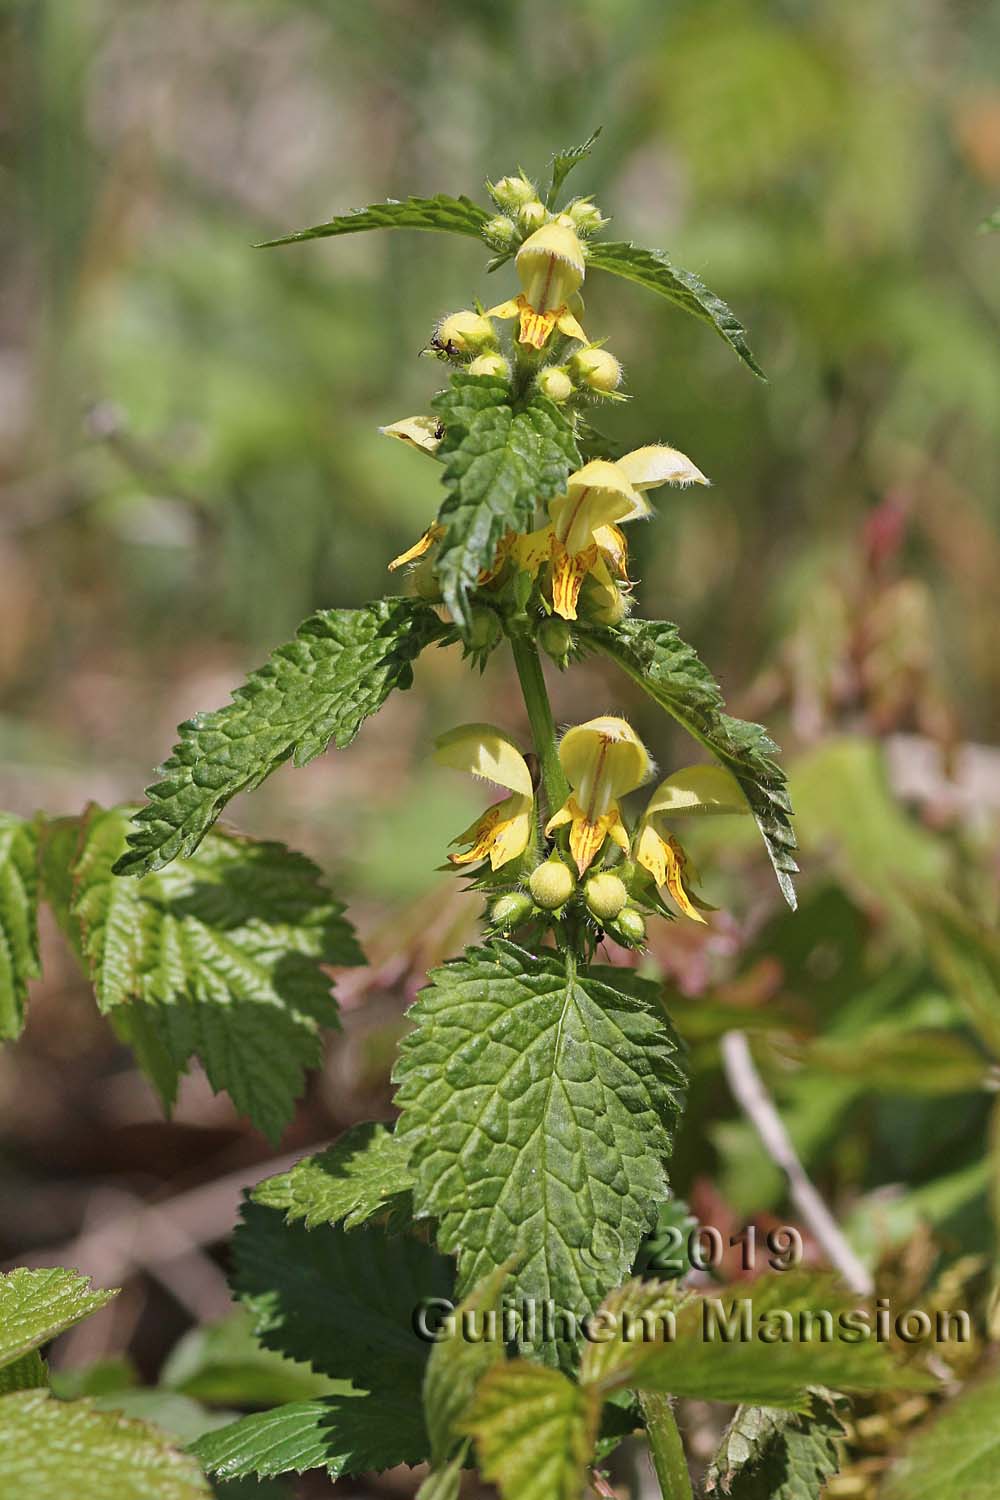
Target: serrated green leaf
{"type": "Point", "coordinates": [443, 1484]}
{"type": "Point", "coordinates": [957, 1456]}
{"type": "Point", "coordinates": [501, 457]}
{"type": "Point", "coordinates": [534, 1431]}
{"type": "Point", "coordinates": [652, 269]}
{"type": "Point", "coordinates": [637, 1305]}
{"type": "Point", "coordinates": [343, 1300]}
{"type": "Point", "coordinates": [220, 956]}
{"type": "Point", "coordinates": [451, 215]}
{"type": "Point", "coordinates": [539, 1102]}
{"type": "Point", "coordinates": [767, 1453]}
{"type": "Point", "coordinates": [181, 1417]}
{"type": "Point", "coordinates": [563, 163]}
{"type": "Point", "coordinates": [671, 672]}
{"type": "Point", "coordinates": [18, 920]}
{"type": "Point", "coordinates": [343, 1434]}
{"type": "Point", "coordinates": [362, 1176]}
{"type": "Point", "coordinates": [35, 1305]}
{"type": "Point", "coordinates": [318, 689]}
{"type": "Point", "coordinates": [24, 1374]}
{"type": "Point", "coordinates": [225, 1364]}
{"type": "Point", "coordinates": [51, 1450]}
{"type": "Point", "coordinates": [698, 1359]}
{"type": "Point", "coordinates": [456, 1364]}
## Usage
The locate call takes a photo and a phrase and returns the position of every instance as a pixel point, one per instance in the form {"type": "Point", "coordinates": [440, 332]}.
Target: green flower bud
{"type": "Point", "coordinates": [510, 911]}
{"type": "Point", "coordinates": [552, 884]}
{"type": "Point", "coordinates": [532, 216]}
{"type": "Point", "coordinates": [606, 895]}
{"type": "Point", "coordinates": [585, 216]}
{"type": "Point", "coordinates": [465, 332]}
{"type": "Point", "coordinates": [555, 638]}
{"type": "Point", "coordinates": [512, 192]}
{"type": "Point", "coordinates": [602, 603]}
{"type": "Point", "coordinates": [631, 926]}
{"type": "Point", "coordinates": [484, 628]}
{"type": "Point", "coordinates": [597, 369]}
{"type": "Point", "coordinates": [424, 582]}
{"type": "Point", "coordinates": [555, 383]}
{"type": "Point", "coordinates": [500, 232]}
{"type": "Point", "coordinates": [490, 364]}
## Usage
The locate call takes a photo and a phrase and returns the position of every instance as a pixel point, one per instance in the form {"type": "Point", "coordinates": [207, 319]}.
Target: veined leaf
{"type": "Point", "coordinates": [344, 1434]}
{"type": "Point", "coordinates": [319, 688]}
{"type": "Point", "coordinates": [671, 672]}
{"type": "Point", "coordinates": [534, 1431]}
{"type": "Point", "coordinates": [225, 1364]}
{"type": "Point", "coordinates": [652, 269]}
{"type": "Point", "coordinates": [27, 1373]}
{"type": "Point", "coordinates": [539, 1102]}
{"type": "Point", "coordinates": [50, 1450]}
{"type": "Point", "coordinates": [764, 1344]}
{"type": "Point", "coordinates": [456, 1364]}
{"type": "Point", "coordinates": [362, 1176]}
{"type": "Point", "coordinates": [35, 1305]}
{"type": "Point", "coordinates": [563, 163]}
{"type": "Point", "coordinates": [768, 1453]}
{"type": "Point", "coordinates": [956, 1457]}
{"type": "Point", "coordinates": [18, 920]}
{"type": "Point", "coordinates": [501, 458]}
{"type": "Point", "coordinates": [639, 1309]}
{"type": "Point", "coordinates": [343, 1300]}
{"type": "Point", "coordinates": [221, 956]}
{"type": "Point", "coordinates": [452, 215]}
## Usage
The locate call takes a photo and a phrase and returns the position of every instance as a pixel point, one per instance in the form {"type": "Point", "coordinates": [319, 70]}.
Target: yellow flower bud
{"type": "Point", "coordinates": [510, 911]}
{"type": "Point", "coordinates": [512, 192]}
{"type": "Point", "coordinates": [555, 383]}
{"type": "Point", "coordinates": [500, 232]}
{"type": "Point", "coordinates": [532, 216]}
{"type": "Point", "coordinates": [585, 216]}
{"type": "Point", "coordinates": [490, 364]}
{"type": "Point", "coordinates": [552, 884]}
{"type": "Point", "coordinates": [465, 332]}
{"type": "Point", "coordinates": [597, 369]}
{"type": "Point", "coordinates": [630, 926]}
{"type": "Point", "coordinates": [606, 895]}
{"type": "Point", "coordinates": [551, 267]}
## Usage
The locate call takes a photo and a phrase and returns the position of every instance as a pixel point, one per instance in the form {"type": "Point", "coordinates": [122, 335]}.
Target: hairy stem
{"type": "Point", "coordinates": [665, 1447]}
{"type": "Point", "coordinates": [543, 725]}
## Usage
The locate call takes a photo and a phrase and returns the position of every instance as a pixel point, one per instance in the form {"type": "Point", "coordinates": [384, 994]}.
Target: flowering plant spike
{"type": "Point", "coordinates": [538, 1090]}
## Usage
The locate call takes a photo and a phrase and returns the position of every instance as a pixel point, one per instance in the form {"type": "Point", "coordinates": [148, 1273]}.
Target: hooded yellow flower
{"type": "Point", "coordinates": [584, 536]}
{"type": "Point", "coordinates": [696, 789]}
{"type": "Point", "coordinates": [505, 830]}
{"type": "Point", "coordinates": [603, 759]}
{"type": "Point", "coordinates": [551, 267]}
{"type": "Point", "coordinates": [424, 434]}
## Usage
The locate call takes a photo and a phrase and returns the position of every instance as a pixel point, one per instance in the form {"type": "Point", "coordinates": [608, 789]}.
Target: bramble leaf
{"type": "Point", "coordinates": [18, 920]}
{"type": "Point", "coordinates": [717, 1351]}
{"type": "Point", "coordinates": [35, 1305]}
{"type": "Point", "coordinates": [363, 1176]}
{"type": "Point", "coordinates": [501, 457]}
{"type": "Point", "coordinates": [652, 269]}
{"type": "Point", "coordinates": [956, 1457]}
{"type": "Point", "coordinates": [343, 1434]}
{"type": "Point", "coordinates": [539, 1103]}
{"type": "Point", "coordinates": [452, 215]}
{"type": "Point", "coordinates": [52, 1449]}
{"type": "Point", "coordinates": [534, 1431]}
{"type": "Point", "coordinates": [340, 668]}
{"type": "Point", "coordinates": [225, 1364]}
{"type": "Point", "coordinates": [768, 1453]}
{"type": "Point", "coordinates": [563, 163]}
{"type": "Point", "coordinates": [671, 672]}
{"type": "Point", "coordinates": [343, 1300]}
{"type": "Point", "coordinates": [218, 957]}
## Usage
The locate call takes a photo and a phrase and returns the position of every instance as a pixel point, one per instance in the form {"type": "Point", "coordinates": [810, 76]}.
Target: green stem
{"type": "Point", "coordinates": [665, 1446]}
{"type": "Point", "coordinates": [543, 725]}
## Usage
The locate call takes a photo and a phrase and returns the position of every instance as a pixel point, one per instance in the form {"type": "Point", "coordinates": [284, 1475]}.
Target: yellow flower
{"type": "Point", "coordinates": [584, 536]}
{"type": "Point", "coordinates": [551, 267]}
{"type": "Point", "coordinates": [424, 434]}
{"type": "Point", "coordinates": [505, 830]}
{"type": "Point", "coordinates": [696, 789]}
{"type": "Point", "coordinates": [603, 759]}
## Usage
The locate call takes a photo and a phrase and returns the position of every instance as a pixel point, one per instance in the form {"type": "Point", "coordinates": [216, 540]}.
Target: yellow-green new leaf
{"type": "Point", "coordinates": [457, 1362]}
{"type": "Point", "coordinates": [957, 1456]}
{"type": "Point", "coordinates": [534, 1431]}
{"type": "Point", "coordinates": [36, 1305]}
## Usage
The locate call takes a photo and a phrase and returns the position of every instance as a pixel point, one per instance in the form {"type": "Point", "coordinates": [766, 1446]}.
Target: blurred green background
{"type": "Point", "coordinates": [190, 462]}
